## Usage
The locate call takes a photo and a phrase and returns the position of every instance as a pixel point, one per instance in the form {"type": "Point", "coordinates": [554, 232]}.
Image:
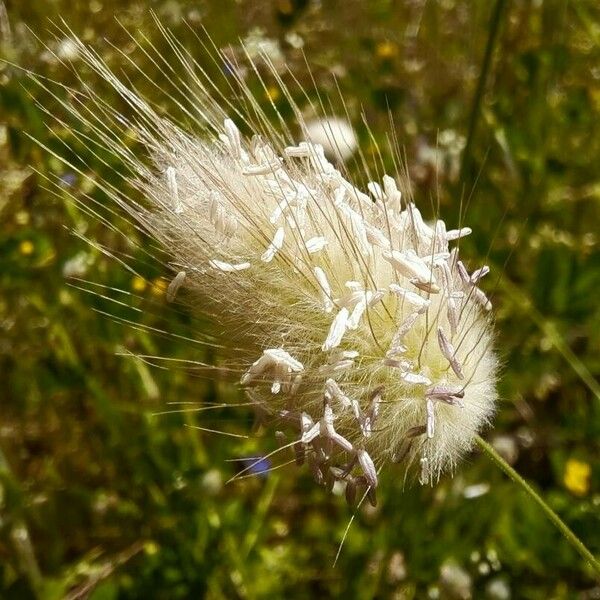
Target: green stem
{"type": "Point", "coordinates": [478, 98]}
{"type": "Point", "coordinates": [21, 541]}
{"type": "Point", "coordinates": [556, 520]}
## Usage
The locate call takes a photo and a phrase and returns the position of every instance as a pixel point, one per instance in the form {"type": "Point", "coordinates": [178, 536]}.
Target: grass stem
{"type": "Point", "coordinates": [479, 91]}
{"type": "Point", "coordinates": [554, 518]}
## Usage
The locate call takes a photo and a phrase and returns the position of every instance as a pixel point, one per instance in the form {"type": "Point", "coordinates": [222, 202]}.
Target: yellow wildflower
{"type": "Point", "coordinates": [138, 284]}
{"type": "Point", "coordinates": [386, 49]}
{"type": "Point", "coordinates": [577, 477]}
{"type": "Point", "coordinates": [272, 93]}
{"type": "Point", "coordinates": [151, 548]}
{"type": "Point", "coordinates": [26, 247]}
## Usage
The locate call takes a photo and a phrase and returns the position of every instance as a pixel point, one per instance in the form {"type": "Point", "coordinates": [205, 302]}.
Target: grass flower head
{"type": "Point", "coordinates": [352, 323]}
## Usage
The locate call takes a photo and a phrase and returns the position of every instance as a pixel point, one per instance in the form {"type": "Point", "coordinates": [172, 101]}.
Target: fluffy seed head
{"type": "Point", "coordinates": [345, 315]}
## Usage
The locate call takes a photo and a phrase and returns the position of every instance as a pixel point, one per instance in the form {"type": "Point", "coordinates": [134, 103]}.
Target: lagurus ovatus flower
{"type": "Point", "coordinates": [353, 325]}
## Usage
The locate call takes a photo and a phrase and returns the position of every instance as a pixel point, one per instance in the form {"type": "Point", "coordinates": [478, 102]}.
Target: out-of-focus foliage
{"type": "Point", "coordinates": [101, 498]}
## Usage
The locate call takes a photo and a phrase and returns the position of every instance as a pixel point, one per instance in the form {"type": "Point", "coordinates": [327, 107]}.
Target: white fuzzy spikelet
{"type": "Point", "coordinates": [348, 318]}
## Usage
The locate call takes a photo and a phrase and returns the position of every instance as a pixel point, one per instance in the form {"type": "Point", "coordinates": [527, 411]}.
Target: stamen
{"type": "Point", "coordinates": [426, 286]}
{"type": "Point", "coordinates": [406, 326]}
{"type": "Point", "coordinates": [448, 351]}
{"type": "Point", "coordinates": [358, 311]}
{"type": "Point", "coordinates": [481, 299]}
{"type": "Point", "coordinates": [173, 189]}
{"type": "Point", "coordinates": [333, 392]}
{"type": "Point", "coordinates": [367, 466]}
{"type": "Point", "coordinates": [415, 379]}
{"type": "Point", "coordinates": [453, 314]}
{"type": "Point", "coordinates": [430, 418]}
{"type": "Point", "coordinates": [315, 244]}
{"type": "Point", "coordinates": [456, 234]}
{"type": "Point", "coordinates": [375, 190]}
{"type": "Point", "coordinates": [274, 246]}
{"type": "Point", "coordinates": [463, 273]}
{"type": "Point", "coordinates": [325, 289]}
{"type": "Point", "coordinates": [233, 135]}
{"type": "Point", "coordinates": [276, 362]}
{"type": "Point", "coordinates": [262, 169]}
{"type": "Point", "coordinates": [446, 393]}
{"type": "Point", "coordinates": [422, 304]}
{"type": "Point", "coordinates": [302, 150]}
{"type": "Point", "coordinates": [337, 330]}
{"type": "Point", "coordinates": [479, 274]}
{"type": "Point", "coordinates": [392, 194]}
{"type": "Point", "coordinates": [228, 267]}
{"type": "Point", "coordinates": [174, 286]}
{"type": "Point", "coordinates": [376, 237]}
{"type": "Point", "coordinates": [410, 265]}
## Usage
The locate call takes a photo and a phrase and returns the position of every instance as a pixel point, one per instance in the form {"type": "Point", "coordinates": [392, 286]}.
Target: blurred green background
{"type": "Point", "coordinates": [102, 498]}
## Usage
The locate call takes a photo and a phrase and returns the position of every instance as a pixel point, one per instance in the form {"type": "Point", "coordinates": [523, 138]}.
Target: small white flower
{"type": "Point", "coordinates": [335, 135]}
